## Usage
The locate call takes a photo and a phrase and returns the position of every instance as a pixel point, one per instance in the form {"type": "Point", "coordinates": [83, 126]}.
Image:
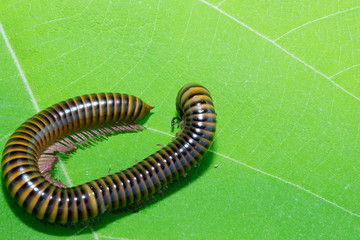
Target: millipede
{"type": "Point", "coordinates": [32, 151]}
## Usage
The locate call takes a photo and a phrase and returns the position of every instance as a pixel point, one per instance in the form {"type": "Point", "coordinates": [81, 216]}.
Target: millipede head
{"type": "Point", "coordinates": [173, 121]}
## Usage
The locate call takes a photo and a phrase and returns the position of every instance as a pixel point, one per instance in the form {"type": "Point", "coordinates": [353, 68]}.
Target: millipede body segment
{"type": "Point", "coordinates": [30, 153]}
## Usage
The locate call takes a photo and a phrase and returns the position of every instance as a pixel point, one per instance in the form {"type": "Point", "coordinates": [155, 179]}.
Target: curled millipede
{"type": "Point", "coordinates": [30, 153]}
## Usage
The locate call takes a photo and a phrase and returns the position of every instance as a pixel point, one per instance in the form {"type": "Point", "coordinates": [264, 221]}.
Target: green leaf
{"type": "Point", "coordinates": [284, 76]}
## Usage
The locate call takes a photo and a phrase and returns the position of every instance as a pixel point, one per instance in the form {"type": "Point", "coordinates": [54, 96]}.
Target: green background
{"type": "Point", "coordinates": [284, 76]}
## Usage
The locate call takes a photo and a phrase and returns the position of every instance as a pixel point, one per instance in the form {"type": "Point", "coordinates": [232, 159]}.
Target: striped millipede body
{"type": "Point", "coordinates": [30, 153]}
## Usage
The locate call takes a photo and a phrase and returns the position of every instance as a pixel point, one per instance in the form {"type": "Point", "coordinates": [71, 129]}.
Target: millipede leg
{"type": "Point", "coordinates": [140, 204]}
{"type": "Point", "coordinates": [91, 221]}
{"type": "Point", "coordinates": [63, 225]}
{"type": "Point", "coordinates": [182, 125]}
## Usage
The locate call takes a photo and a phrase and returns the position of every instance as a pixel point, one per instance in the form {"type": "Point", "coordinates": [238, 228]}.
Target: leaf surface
{"type": "Point", "coordinates": [284, 77]}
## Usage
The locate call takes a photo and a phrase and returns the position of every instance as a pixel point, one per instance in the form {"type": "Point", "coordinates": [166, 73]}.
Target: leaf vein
{"type": "Point", "coordinates": [275, 177]}
{"type": "Point", "coordinates": [316, 20]}
{"type": "Point", "coordinates": [33, 100]}
{"type": "Point", "coordinates": [281, 48]}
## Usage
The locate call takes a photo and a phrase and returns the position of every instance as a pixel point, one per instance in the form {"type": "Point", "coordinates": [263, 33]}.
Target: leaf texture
{"type": "Point", "coordinates": [284, 77]}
